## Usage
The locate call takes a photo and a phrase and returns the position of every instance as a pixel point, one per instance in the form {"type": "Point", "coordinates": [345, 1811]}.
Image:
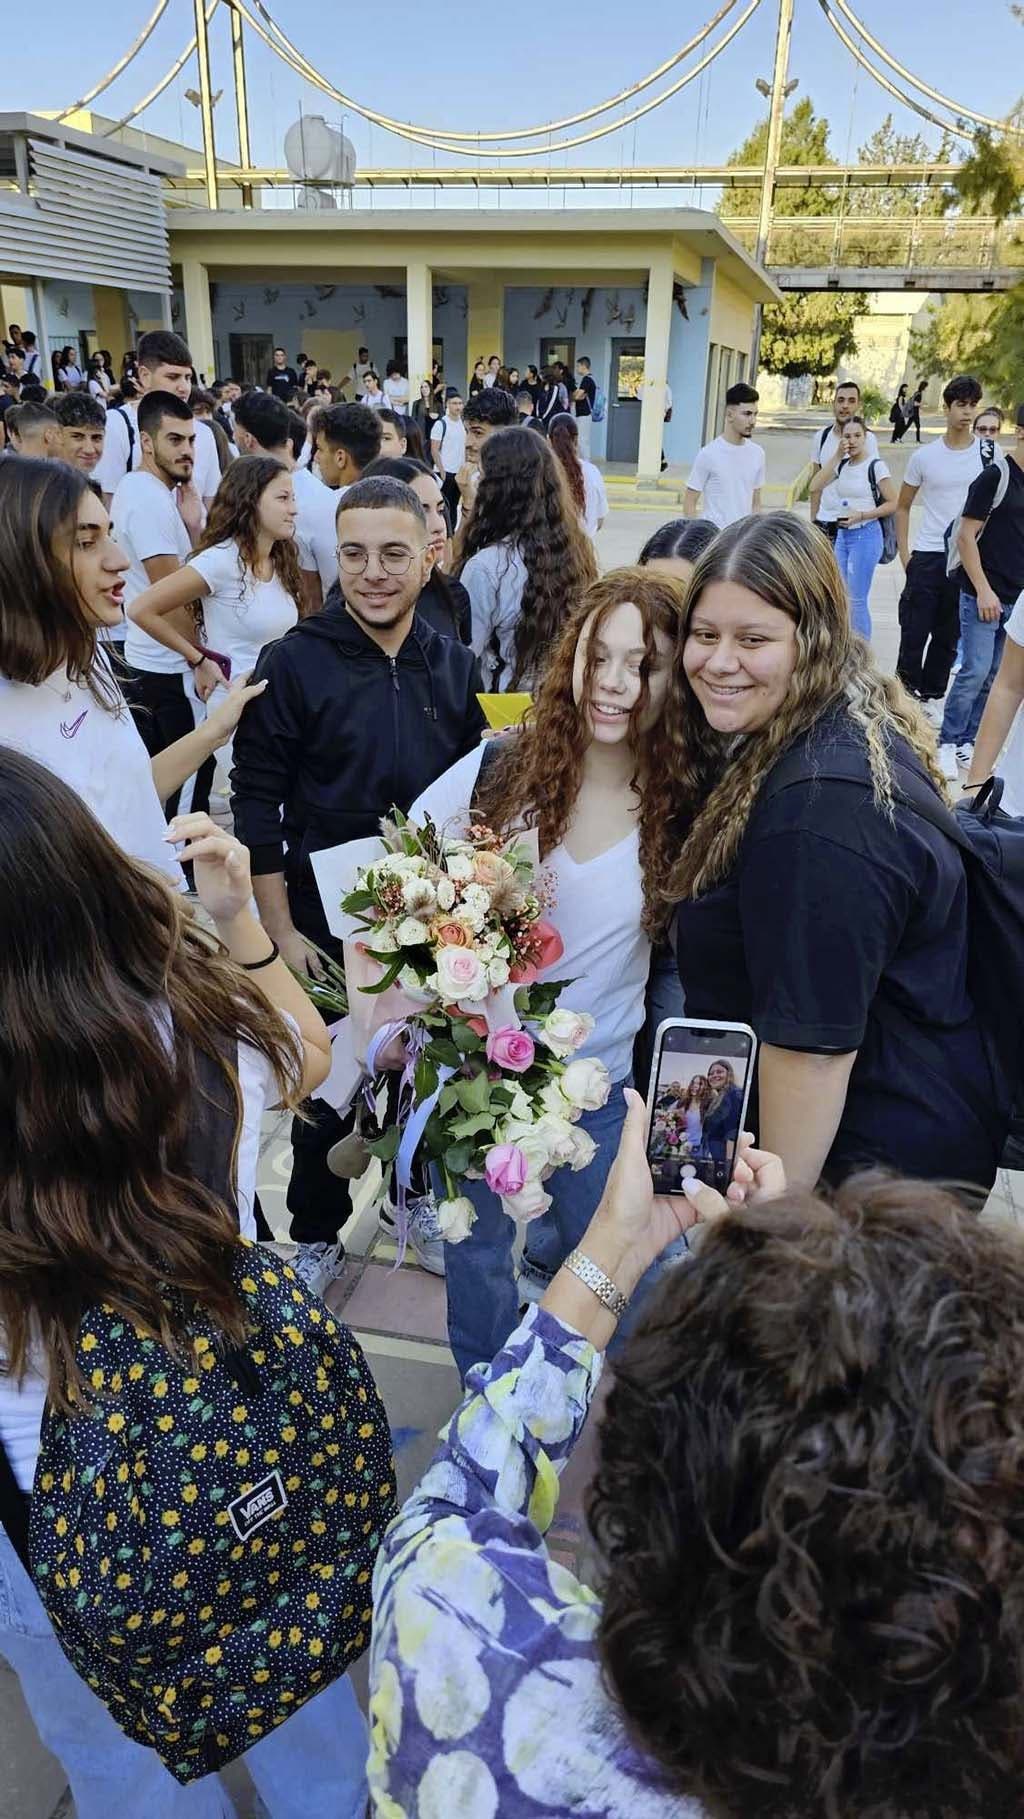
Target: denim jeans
{"type": "Point", "coordinates": [982, 646]}
{"type": "Point", "coordinates": [313, 1767]}
{"type": "Point", "coordinates": [483, 1296]}
{"type": "Point", "coordinates": [857, 553]}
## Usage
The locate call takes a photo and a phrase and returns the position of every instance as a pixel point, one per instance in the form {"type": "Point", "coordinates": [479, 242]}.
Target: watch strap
{"type": "Point", "coordinates": [586, 1271]}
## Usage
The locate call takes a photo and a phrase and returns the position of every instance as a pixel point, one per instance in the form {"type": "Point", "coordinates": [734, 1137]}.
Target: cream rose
{"type": "Point", "coordinates": [559, 1136]}
{"type": "Point", "coordinates": [456, 1219]}
{"type": "Point", "coordinates": [497, 973]}
{"type": "Point", "coordinates": [529, 1203]}
{"type": "Point", "coordinates": [460, 976]}
{"type": "Point", "coordinates": [564, 1031]}
{"type": "Point", "coordinates": [527, 1137]}
{"type": "Point", "coordinates": [586, 1083]}
{"type": "Point", "coordinates": [553, 1100]}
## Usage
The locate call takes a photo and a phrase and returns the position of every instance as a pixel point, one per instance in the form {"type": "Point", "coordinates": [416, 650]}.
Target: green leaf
{"type": "Point", "coordinates": [385, 1147]}
{"type": "Point", "coordinates": [449, 1097]}
{"type": "Point", "coordinates": [457, 1158]}
{"type": "Point", "coordinates": [397, 963]}
{"type": "Point", "coordinates": [474, 1094]}
{"type": "Point", "coordinates": [469, 1127]}
{"type": "Point", "coordinates": [444, 1052]}
{"type": "Point", "coordinates": [424, 1080]}
{"type": "Point", "coordinates": [466, 1040]}
{"type": "Point", "coordinates": [358, 900]}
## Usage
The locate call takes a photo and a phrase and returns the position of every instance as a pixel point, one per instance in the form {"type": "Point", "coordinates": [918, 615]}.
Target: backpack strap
{"type": "Point", "coordinates": [125, 417]}
{"type": "Point", "coordinates": [846, 766]}
{"type": "Point", "coordinates": [823, 438]}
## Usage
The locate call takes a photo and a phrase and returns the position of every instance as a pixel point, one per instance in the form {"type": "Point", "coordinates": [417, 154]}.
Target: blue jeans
{"type": "Point", "coordinates": [483, 1296]}
{"type": "Point", "coordinates": [857, 553]}
{"type": "Point", "coordinates": [982, 645]}
{"type": "Point", "coordinates": [313, 1767]}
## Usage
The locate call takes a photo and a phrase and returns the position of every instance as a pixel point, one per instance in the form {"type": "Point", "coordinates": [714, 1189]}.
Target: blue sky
{"type": "Point", "coordinates": [447, 67]}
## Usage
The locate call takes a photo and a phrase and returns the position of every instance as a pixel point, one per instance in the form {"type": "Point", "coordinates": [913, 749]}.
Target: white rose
{"type": "Point", "coordinates": [526, 1135]}
{"type": "Point", "coordinates": [528, 1203]}
{"type": "Point", "coordinates": [460, 976]}
{"type": "Point", "coordinates": [584, 1149]}
{"type": "Point", "coordinates": [521, 1108]}
{"type": "Point", "coordinates": [553, 1100]}
{"type": "Point", "coordinates": [445, 894]}
{"type": "Point", "coordinates": [563, 1032]}
{"type": "Point", "coordinates": [382, 938]}
{"type": "Point", "coordinates": [586, 1083]}
{"type": "Point", "coordinates": [418, 897]}
{"type": "Point", "coordinates": [411, 932]}
{"type": "Point", "coordinates": [456, 1219]}
{"type": "Point", "coordinates": [560, 1138]}
{"type": "Point", "coordinates": [459, 867]}
{"type": "Point", "coordinates": [497, 973]}
{"type": "Point", "coordinates": [399, 865]}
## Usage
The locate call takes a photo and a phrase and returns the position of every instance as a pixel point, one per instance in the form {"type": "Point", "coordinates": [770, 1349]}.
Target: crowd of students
{"type": "Point", "coordinates": [737, 811]}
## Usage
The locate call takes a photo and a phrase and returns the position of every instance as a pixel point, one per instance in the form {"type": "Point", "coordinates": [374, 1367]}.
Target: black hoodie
{"type": "Point", "coordinates": [342, 734]}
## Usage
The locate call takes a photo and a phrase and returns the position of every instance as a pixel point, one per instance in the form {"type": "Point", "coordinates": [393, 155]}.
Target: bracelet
{"type": "Point", "coordinates": [254, 966]}
{"type": "Point", "coordinates": [200, 659]}
{"type": "Point", "coordinates": [586, 1270]}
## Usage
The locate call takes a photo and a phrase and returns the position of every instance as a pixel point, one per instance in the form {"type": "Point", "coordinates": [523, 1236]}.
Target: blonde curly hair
{"type": "Point", "coordinates": [789, 565]}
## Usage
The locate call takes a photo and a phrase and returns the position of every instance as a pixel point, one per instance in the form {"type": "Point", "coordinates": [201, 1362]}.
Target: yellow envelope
{"type": "Point", "coordinates": [504, 710]}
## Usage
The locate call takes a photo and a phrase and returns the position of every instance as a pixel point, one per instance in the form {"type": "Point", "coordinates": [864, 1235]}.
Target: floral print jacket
{"type": "Point", "coordinates": [486, 1691]}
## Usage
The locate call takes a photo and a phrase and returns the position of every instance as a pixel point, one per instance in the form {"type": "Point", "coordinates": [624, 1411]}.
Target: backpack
{"type": "Point", "coordinates": [888, 525]}
{"type": "Point", "coordinates": [599, 407]}
{"type": "Point", "coordinates": [991, 845]}
{"type": "Point", "coordinates": [126, 418]}
{"type": "Point", "coordinates": [990, 456]}
{"type": "Point", "coordinates": [203, 1538]}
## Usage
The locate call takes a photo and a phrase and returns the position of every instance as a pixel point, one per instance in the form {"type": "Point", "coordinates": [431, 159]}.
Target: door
{"type": "Point", "coordinates": [555, 348]}
{"type": "Point", "coordinates": [624, 394]}
{"type": "Point", "coordinates": [251, 358]}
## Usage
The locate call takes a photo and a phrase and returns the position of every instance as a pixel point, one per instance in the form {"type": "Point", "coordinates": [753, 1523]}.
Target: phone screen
{"type": "Point", "coordinates": [700, 1085]}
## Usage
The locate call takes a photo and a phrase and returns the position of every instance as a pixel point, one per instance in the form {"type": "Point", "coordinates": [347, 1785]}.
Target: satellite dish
{"type": "Point", "coordinates": [317, 153]}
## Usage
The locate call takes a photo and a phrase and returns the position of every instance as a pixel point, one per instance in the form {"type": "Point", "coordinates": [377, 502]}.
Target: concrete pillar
{"type": "Point", "coordinates": [110, 314]}
{"type": "Point", "coordinates": [485, 323]}
{"type": "Point", "coordinates": [656, 340]}
{"type": "Point", "coordinates": [198, 319]}
{"type": "Point", "coordinates": [42, 332]}
{"type": "Point", "coordinates": [419, 325]}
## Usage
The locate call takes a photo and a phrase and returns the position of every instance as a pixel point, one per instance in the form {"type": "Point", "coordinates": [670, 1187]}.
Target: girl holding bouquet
{"type": "Point", "coordinates": [589, 772]}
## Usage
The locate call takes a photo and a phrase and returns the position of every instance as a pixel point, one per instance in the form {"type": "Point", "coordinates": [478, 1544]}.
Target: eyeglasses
{"type": "Point", "coordinates": [395, 562]}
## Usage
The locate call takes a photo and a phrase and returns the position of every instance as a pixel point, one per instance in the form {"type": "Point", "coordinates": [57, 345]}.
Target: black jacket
{"type": "Point", "coordinates": [444, 605]}
{"type": "Point", "coordinates": [342, 734]}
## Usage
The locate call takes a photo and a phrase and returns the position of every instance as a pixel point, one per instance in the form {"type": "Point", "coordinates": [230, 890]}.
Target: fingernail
{"type": "Point", "coordinates": [692, 1187]}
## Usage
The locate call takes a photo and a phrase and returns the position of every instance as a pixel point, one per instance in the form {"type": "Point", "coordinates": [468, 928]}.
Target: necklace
{"type": "Point", "coordinates": [63, 694]}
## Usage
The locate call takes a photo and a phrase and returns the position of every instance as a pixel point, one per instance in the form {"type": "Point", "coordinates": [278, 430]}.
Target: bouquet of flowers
{"type": "Point", "coordinates": [451, 945]}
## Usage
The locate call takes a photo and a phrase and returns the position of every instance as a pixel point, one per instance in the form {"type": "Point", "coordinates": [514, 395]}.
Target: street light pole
{"type": "Point", "coordinates": [772, 147]}
{"type": "Point", "coordinates": [206, 104]}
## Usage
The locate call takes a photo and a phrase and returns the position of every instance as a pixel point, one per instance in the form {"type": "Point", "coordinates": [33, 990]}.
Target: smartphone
{"type": "Point", "coordinates": [700, 1088]}
{"type": "Point", "coordinates": [223, 663]}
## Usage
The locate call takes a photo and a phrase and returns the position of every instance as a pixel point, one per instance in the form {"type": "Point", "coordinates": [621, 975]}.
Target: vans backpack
{"type": "Point", "coordinates": [203, 1537]}
{"type": "Point", "coordinates": [990, 455]}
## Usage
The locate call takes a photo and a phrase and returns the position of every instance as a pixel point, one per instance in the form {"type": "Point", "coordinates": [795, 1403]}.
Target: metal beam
{"type": "Point", "coordinates": [772, 148]}
{"type": "Point", "coordinates": [206, 105]}
{"type": "Point", "coordinates": [665, 176]}
{"type": "Point", "coordinates": [241, 101]}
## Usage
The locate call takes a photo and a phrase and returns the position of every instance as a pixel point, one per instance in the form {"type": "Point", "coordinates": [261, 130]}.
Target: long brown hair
{"type": "Point", "coordinates": [108, 989]}
{"type": "Point", "coordinates": [537, 778]}
{"type": "Point", "coordinates": [43, 624]}
{"type": "Point", "coordinates": [235, 518]}
{"type": "Point", "coordinates": [789, 565]}
{"type": "Point", "coordinates": [564, 438]}
{"type": "Point", "coordinates": [523, 499]}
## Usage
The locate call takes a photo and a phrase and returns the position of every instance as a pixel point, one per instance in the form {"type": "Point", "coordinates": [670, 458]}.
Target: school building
{"type": "Point", "coordinates": [654, 297]}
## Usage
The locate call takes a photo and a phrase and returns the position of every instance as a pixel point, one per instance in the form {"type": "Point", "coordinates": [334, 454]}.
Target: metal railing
{"type": "Point", "coordinates": [836, 242]}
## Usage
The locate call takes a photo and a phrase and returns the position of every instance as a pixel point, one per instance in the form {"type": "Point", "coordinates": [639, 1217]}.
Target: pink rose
{"type": "Point", "coordinates": [505, 1169]}
{"type": "Point", "coordinates": [460, 975]}
{"type": "Point", "coordinates": [511, 1049]}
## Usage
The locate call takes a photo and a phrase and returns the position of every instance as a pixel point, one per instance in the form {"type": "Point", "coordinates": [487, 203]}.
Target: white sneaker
{"type": "Point", "coordinates": [422, 1234]}
{"type": "Point", "coordinates": [318, 1265]}
{"type": "Point", "coordinates": [965, 755]}
{"type": "Point", "coordinates": [948, 764]}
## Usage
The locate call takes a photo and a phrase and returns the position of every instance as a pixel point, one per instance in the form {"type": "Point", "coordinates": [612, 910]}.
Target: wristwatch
{"type": "Point", "coordinates": [587, 1271]}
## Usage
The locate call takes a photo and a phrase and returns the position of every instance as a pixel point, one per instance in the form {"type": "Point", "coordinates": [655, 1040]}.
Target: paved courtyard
{"type": "Point", "coordinates": [399, 1314]}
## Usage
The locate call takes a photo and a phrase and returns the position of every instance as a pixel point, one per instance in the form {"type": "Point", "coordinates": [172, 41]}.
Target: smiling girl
{"type": "Point", "coordinates": [590, 772]}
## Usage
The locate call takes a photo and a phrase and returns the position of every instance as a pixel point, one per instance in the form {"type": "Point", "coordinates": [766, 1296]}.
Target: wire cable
{"type": "Point", "coordinates": [302, 67]}
{"type": "Point", "coordinates": [934, 94]}
{"type": "Point", "coordinates": [525, 132]}
{"type": "Point", "coordinates": [945, 126]}
{"type": "Point", "coordinates": [164, 82]}
{"type": "Point", "coordinates": [112, 74]}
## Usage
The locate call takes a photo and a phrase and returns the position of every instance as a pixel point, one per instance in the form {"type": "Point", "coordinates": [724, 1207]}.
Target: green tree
{"type": "Point", "coordinates": [810, 332]}
{"type": "Point", "coordinates": [804, 142]}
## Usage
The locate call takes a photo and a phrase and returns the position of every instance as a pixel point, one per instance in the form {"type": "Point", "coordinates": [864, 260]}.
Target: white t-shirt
{"type": "Point", "coordinates": [113, 464]}
{"type": "Point", "coordinates": [850, 491]}
{"type": "Point", "coordinates": [315, 525]}
{"type": "Point", "coordinates": [397, 393]}
{"type": "Point", "coordinates": [242, 614]}
{"type": "Point", "coordinates": [944, 476]}
{"type": "Point", "coordinates": [595, 499]}
{"type": "Point", "coordinates": [728, 475]}
{"type": "Point", "coordinates": [822, 450]}
{"type": "Point", "coordinates": [376, 401]}
{"type": "Point", "coordinates": [145, 522]}
{"type": "Point", "coordinates": [597, 911]}
{"type": "Point", "coordinates": [495, 579]}
{"type": "Point", "coordinates": [1011, 764]}
{"type": "Point", "coordinates": [21, 1406]}
{"type": "Point", "coordinates": [449, 434]}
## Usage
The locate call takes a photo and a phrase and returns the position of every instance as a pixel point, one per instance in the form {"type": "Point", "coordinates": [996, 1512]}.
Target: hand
{"type": "Point", "coordinates": [632, 1224]}
{"type": "Point", "coordinates": [853, 519]}
{"type": "Point", "coordinates": [220, 862]}
{"type": "Point", "coordinates": [465, 480]}
{"type": "Point", "coordinates": [222, 720]}
{"type": "Point", "coordinates": [757, 1174]}
{"type": "Point", "coordinates": [207, 676]}
{"type": "Point", "coordinates": [990, 606]}
{"type": "Point", "coordinates": [297, 953]}
{"type": "Point", "coordinates": [192, 509]}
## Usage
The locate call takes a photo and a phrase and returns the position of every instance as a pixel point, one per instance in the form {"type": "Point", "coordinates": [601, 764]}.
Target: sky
{"type": "Point", "coordinates": [446, 66]}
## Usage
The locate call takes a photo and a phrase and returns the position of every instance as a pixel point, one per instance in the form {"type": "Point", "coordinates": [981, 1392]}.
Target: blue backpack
{"type": "Point", "coordinates": [599, 408]}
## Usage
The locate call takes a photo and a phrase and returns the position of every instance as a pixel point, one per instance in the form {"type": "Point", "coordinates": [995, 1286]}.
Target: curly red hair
{"type": "Point", "coordinates": [536, 779]}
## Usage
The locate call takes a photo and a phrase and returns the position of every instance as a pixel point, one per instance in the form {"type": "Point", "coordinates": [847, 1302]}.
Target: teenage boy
{"type": "Point", "coordinates": [528, 418]}
{"type": "Point", "coordinates": [282, 379]}
{"type": "Point", "coordinates": [942, 473]}
{"type": "Point", "coordinates": [166, 693]}
{"type": "Point", "coordinates": [362, 710]}
{"type": "Point", "coordinates": [991, 546]}
{"type": "Point", "coordinates": [165, 365]}
{"type": "Point", "coordinates": [484, 413]}
{"type": "Point", "coordinates": [83, 422]}
{"type": "Point", "coordinates": [448, 449]}
{"type": "Point", "coordinates": [824, 443]}
{"type": "Point", "coordinates": [729, 471]}
{"type": "Point", "coordinates": [32, 429]}
{"type": "Point", "coordinates": [583, 399]}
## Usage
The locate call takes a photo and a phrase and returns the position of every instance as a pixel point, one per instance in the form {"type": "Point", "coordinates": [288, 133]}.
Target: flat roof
{"type": "Point", "coordinates": [703, 232]}
{"type": "Point", "coordinates": [37, 126]}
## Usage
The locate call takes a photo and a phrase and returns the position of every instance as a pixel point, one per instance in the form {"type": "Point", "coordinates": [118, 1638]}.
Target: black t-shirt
{"type": "Point", "coordinates": [282, 381]}
{"type": "Point", "coordinates": [830, 908]}
{"type": "Point", "coordinates": [1002, 541]}
{"type": "Point", "coordinates": [585, 406]}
